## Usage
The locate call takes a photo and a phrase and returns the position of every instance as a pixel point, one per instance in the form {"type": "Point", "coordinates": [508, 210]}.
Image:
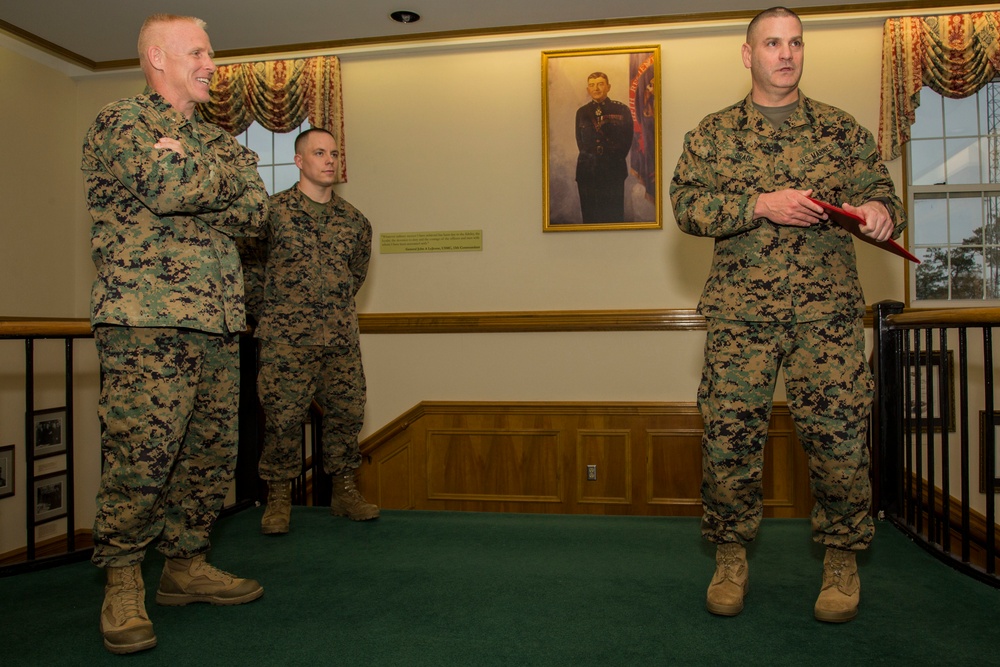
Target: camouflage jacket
{"type": "Point", "coordinates": [163, 224]}
{"type": "Point", "coordinates": [304, 272]}
{"type": "Point", "coordinates": [767, 272]}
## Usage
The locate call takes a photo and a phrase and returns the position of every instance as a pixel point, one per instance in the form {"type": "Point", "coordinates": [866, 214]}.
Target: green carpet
{"type": "Point", "coordinates": [445, 588]}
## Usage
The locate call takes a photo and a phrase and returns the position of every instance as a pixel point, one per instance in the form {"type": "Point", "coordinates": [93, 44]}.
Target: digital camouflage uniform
{"type": "Point", "coordinates": [304, 273]}
{"type": "Point", "coordinates": [166, 306]}
{"type": "Point", "coordinates": [782, 297]}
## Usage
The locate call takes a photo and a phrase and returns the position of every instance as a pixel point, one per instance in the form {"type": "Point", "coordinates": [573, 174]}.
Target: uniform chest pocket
{"type": "Point", "coordinates": [739, 171]}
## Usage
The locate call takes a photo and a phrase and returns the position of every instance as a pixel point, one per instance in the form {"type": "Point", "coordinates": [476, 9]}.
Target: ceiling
{"type": "Point", "coordinates": [101, 34]}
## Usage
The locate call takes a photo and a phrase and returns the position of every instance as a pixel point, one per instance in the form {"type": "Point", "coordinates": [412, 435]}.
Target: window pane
{"type": "Point", "coordinates": [932, 273]}
{"type": "Point", "coordinates": [967, 274]}
{"type": "Point", "coordinates": [284, 147]}
{"type": "Point", "coordinates": [928, 122]}
{"type": "Point", "coordinates": [991, 237]}
{"type": "Point", "coordinates": [963, 161]}
{"type": "Point", "coordinates": [259, 141]}
{"type": "Point", "coordinates": [926, 162]}
{"type": "Point", "coordinates": [993, 277]}
{"type": "Point", "coordinates": [285, 176]}
{"type": "Point", "coordinates": [267, 175]}
{"type": "Point", "coordinates": [961, 117]}
{"type": "Point", "coordinates": [965, 219]}
{"type": "Point", "coordinates": [929, 224]}
{"type": "Point", "coordinates": [984, 154]}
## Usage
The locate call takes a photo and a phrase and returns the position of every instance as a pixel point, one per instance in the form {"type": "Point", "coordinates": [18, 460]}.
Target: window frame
{"type": "Point", "coordinates": [987, 192]}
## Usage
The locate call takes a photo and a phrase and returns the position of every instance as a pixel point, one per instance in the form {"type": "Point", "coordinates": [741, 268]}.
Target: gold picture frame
{"type": "Point", "coordinates": [594, 139]}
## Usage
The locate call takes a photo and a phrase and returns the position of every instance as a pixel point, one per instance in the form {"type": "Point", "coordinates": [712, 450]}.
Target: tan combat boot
{"type": "Point", "coordinates": [731, 580]}
{"type": "Point", "coordinates": [346, 500]}
{"type": "Point", "coordinates": [279, 509]}
{"type": "Point", "coordinates": [841, 592]}
{"type": "Point", "coordinates": [124, 623]}
{"type": "Point", "coordinates": [187, 580]}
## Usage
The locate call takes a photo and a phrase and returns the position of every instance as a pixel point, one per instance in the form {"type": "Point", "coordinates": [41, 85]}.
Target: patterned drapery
{"type": "Point", "coordinates": [280, 95]}
{"type": "Point", "coordinates": [955, 55]}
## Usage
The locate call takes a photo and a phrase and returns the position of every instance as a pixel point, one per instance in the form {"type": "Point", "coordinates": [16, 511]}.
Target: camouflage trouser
{"type": "Point", "coordinates": [829, 388]}
{"type": "Point", "coordinates": [290, 378]}
{"type": "Point", "coordinates": [168, 413]}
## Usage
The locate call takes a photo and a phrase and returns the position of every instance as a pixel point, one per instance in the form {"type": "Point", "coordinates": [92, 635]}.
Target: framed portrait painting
{"type": "Point", "coordinates": [601, 139]}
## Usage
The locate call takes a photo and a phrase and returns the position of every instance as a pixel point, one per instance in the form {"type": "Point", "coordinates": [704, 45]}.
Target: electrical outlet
{"type": "Point", "coordinates": [591, 473]}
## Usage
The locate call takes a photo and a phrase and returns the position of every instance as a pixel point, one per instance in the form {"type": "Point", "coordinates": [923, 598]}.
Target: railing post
{"type": "Point", "coordinates": [250, 426]}
{"type": "Point", "coordinates": [887, 418]}
{"type": "Point", "coordinates": [29, 446]}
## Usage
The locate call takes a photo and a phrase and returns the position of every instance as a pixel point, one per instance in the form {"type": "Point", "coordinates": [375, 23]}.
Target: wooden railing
{"type": "Point", "coordinates": [924, 456]}
{"type": "Point", "coordinates": [31, 331]}
{"type": "Point", "coordinates": [915, 457]}
{"type": "Point", "coordinates": [62, 484]}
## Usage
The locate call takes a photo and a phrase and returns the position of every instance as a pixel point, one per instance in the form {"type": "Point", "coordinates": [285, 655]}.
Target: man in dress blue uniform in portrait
{"type": "Point", "coordinates": [604, 137]}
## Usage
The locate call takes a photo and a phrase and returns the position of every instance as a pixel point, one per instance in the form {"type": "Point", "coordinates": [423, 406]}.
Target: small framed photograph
{"type": "Point", "coordinates": [918, 381]}
{"type": "Point", "coordinates": [989, 436]}
{"type": "Point", "coordinates": [601, 139]}
{"type": "Point", "coordinates": [50, 432]}
{"type": "Point", "coordinates": [6, 471]}
{"type": "Point", "coordinates": [50, 497]}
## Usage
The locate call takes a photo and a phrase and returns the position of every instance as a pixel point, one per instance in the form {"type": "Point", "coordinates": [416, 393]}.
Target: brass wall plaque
{"type": "Point", "coordinates": [453, 241]}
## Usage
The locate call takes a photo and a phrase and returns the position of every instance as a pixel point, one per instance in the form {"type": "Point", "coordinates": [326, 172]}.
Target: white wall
{"type": "Point", "coordinates": [439, 140]}
{"type": "Point", "coordinates": [40, 156]}
{"type": "Point", "coordinates": [40, 251]}
{"type": "Point", "coordinates": [439, 137]}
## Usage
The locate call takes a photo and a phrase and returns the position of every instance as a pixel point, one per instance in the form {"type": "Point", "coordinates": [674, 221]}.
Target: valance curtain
{"type": "Point", "coordinates": [955, 55]}
{"type": "Point", "coordinates": [280, 95]}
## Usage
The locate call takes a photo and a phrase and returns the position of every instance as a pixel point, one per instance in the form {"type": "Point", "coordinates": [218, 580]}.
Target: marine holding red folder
{"type": "Point", "coordinates": [856, 225]}
{"type": "Point", "coordinates": [783, 294]}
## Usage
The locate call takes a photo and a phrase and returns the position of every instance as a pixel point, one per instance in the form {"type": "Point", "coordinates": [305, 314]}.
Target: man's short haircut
{"type": "Point", "coordinates": [769, 13]}
{"type": "Point", "coordinates": [146, 31]}
{"type": "Point", "coordinates": [305, 133]}
{"type": "Point", "coordinates": [599, 75]}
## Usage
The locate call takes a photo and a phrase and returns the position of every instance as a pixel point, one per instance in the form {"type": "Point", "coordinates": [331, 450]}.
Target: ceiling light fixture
{"type": "Point", "coordinates": [405, 16]}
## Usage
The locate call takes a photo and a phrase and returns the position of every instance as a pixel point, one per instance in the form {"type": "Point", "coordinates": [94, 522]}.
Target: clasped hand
{"type": "Point", "coordinates": [793, 208]}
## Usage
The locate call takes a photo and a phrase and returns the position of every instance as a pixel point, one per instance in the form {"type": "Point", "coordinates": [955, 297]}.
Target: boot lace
{"type": "Point", "coordinates": [838, 561]}
{"type": "Point", "coordinates": [204, 569]}
{"type": "Point", "coordinates": [835, 572]}
{"type": "Point", "coordinates": [349, 489]}
{"type": "Point", "coordinates": [729, 560]}
{"type": "Point", "coordinates": [128, 601]}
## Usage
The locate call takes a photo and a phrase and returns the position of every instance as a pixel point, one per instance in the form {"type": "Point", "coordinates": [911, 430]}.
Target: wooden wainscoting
{"type": "Point", "coordinates": [534, 457]}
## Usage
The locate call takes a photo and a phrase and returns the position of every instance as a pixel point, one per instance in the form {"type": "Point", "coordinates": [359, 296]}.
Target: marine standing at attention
{"type": "Point", "coordinates": [167, 192]}
{"type": "Point", "coordinates": [304, 273]}
{"type": "Point", "coordinates": [783, 293]}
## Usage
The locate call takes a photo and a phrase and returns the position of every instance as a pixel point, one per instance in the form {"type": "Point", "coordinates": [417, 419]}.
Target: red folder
{"type": "Point", "coordinates": [852, 223]}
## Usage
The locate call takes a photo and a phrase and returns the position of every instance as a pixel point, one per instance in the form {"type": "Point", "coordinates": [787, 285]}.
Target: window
{"type": "Point", "coordinates": [954, 198]}
{"type": "Point", "coordinates": [277, 154]}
